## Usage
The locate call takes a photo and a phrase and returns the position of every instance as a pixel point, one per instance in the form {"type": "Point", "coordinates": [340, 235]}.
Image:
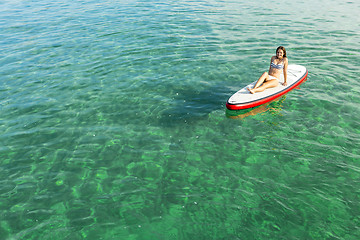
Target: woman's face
{"type": "Point", "coordinates": [280, 54]}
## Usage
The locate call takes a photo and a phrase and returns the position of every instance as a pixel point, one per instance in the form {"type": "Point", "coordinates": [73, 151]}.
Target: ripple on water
{"type": "Point", "coordinates": [113, 121]}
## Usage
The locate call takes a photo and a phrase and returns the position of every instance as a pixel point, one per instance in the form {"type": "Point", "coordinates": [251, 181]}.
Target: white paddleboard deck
{"type": "Point", "coordinates": [243, 99]}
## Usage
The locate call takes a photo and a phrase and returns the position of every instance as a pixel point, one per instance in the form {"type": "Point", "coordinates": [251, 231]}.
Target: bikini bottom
{"type": "Point", "coordinates": [271, 78]}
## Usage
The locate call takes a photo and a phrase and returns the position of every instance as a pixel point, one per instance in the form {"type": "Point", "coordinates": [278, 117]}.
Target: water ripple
{"type": "Point", "coordinates": [113, 124]}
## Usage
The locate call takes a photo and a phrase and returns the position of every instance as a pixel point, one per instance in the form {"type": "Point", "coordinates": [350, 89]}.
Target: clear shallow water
{"type": "Point", "coordinates": [113, 121]}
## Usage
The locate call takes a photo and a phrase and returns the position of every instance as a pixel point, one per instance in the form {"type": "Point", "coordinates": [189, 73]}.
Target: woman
{"type": "Point", "coordinates": [278, 63]}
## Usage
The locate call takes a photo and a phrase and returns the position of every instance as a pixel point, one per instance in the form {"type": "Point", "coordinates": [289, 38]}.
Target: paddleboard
{"type": "Point", "coordinates": [243, 99]}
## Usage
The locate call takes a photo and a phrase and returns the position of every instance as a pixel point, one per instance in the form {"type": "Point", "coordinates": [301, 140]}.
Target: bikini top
{"type": "Point", "coordinates": [277, 66]}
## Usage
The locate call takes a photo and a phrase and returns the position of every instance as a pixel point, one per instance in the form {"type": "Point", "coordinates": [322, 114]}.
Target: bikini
{"type": "Point", "coordinates": [277, 66]}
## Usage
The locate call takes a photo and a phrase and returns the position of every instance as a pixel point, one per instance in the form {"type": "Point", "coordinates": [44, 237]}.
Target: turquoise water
{"type": "Point", "coordinates": [114, 126]}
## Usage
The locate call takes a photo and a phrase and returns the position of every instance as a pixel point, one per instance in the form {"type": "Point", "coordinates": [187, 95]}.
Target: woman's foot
{"type": "Point", "coordinates": [251, 90]}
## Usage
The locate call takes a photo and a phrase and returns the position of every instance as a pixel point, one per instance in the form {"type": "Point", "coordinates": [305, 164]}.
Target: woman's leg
{"type": "Point", "coordinates": [261, 79]}
{"type": "Point", "coordinates": [267, 84]}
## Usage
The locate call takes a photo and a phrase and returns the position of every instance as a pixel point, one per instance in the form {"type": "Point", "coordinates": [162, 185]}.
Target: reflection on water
{"type": "Point", "coordinates": [274, 107]}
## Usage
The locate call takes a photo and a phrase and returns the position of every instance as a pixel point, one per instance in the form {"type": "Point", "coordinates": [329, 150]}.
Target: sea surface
{"type": "Point", "coordinates": [113, 122]}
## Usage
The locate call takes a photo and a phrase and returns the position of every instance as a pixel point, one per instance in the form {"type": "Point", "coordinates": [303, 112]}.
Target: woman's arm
{"type": "Point", "coordinates": [285, 71]}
